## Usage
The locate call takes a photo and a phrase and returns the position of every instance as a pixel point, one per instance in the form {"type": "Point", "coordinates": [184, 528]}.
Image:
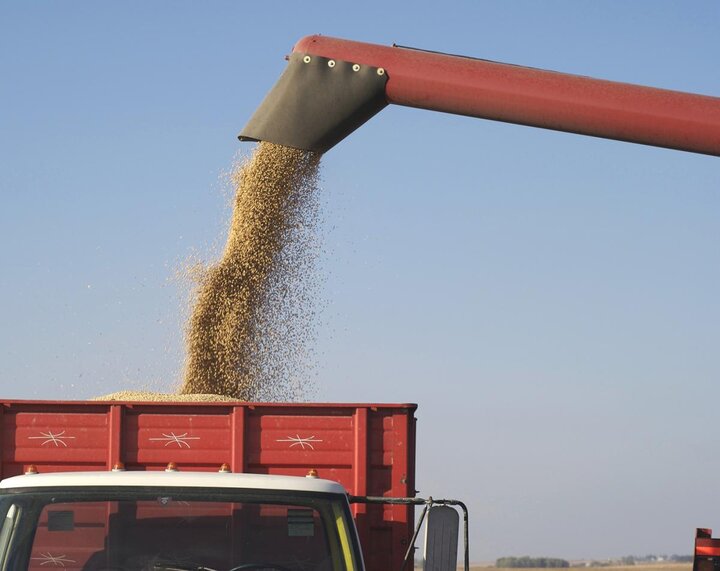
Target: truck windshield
{"type": "Point", "coordinates": [171, 529]}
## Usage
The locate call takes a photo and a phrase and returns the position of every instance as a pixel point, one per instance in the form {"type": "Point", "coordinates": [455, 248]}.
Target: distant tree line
{"type": "Point", "coordinates": [675, 558]}
{"type": "Point", "coordinates": [551, 562]}
{"type": "Point", "coordinates": [531, 562]}
{"type": "Point", "coordinates": [634, 559]}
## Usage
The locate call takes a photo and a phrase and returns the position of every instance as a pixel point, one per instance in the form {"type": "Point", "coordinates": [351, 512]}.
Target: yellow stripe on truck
{"type": "Point", "coordinates": [344, 534]}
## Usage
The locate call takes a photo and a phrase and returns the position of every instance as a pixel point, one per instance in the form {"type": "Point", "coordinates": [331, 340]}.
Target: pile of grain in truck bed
{"type": "Point", "coordinates": [162, 397]}
{"type": "Point", "coordinates": [252, 322]}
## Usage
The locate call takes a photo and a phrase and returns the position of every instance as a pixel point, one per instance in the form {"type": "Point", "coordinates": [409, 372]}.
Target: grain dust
{"type": "Point", "coordinates": [250, 330]}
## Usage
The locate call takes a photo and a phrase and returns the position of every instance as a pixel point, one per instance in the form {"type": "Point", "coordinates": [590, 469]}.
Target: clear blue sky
{"type": "Point", "coordinates": [550, 301]}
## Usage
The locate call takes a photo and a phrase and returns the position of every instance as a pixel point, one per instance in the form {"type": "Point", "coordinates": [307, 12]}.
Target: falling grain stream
{"type": "Point", "coordinates": [251, 326]}
{"type": "Point", "coordinates": [248, 329]}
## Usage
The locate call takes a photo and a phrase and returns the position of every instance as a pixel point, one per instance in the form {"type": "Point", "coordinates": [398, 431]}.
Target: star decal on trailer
{"type": "Point", "coordinates": [50, 437]}
{"type": "Point", "coordinates": [179, 439]}
{"type": "Point", "coordinates": [54, 560]}
{"type": "Point", "coordinates": [301, 442]}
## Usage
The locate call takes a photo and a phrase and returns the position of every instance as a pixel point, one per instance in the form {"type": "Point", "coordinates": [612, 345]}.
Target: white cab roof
{"type": "Point", "coordinates": [175, 479]}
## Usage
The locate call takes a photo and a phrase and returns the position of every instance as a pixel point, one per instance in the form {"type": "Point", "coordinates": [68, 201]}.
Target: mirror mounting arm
{"type": "Point", "coordinates": [428, 503]}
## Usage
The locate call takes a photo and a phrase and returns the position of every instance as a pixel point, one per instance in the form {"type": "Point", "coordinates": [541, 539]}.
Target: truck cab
{"type": "Point", "coordinates": [175, 521]}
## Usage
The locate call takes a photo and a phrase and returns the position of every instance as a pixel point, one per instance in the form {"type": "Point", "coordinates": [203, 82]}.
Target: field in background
{"type": "Point", "coordinates": [637, 567]}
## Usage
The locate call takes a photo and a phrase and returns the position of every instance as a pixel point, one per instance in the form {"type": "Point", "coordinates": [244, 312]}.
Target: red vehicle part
{"type": "Point", "coordinates": [497, 91]}
{"type": "Point", "coordinates": [368, 448]}
{"type": "Point", "coordinates": [706, 556]}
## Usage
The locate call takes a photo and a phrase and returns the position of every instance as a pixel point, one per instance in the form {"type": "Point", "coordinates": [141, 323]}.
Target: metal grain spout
{"type": "Point", "coordinates": [317, 102]}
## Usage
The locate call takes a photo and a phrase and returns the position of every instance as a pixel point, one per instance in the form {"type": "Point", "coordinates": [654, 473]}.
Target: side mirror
{"type": "Point", "coordinates": [441, 539]}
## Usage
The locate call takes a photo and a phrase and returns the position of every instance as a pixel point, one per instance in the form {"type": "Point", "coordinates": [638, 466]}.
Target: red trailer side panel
{"type": "Point", "coordinates": [368, 448]}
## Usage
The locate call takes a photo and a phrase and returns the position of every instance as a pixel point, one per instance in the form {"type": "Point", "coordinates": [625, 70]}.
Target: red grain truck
{"type": "Point", "coordinates": [706, 555]}
{"type": "Point", "coordinates": [213, 486]}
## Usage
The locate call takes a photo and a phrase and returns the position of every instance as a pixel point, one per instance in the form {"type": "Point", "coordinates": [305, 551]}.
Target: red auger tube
{"type": "Point", "coordinates": [527, 96]}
